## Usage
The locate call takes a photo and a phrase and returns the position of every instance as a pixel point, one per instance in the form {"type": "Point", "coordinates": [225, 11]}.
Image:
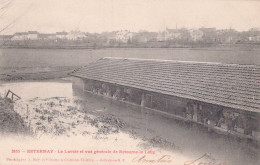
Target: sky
{"type": "Point", "coordinates": [48, 16]}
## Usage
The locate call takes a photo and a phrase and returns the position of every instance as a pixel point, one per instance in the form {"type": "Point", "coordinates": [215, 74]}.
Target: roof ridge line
{"type": "Point", "coordinates": [180, 61]}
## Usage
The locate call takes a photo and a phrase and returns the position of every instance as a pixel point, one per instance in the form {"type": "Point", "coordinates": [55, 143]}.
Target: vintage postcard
{"type": "Point", "coordinates": [174, 82]}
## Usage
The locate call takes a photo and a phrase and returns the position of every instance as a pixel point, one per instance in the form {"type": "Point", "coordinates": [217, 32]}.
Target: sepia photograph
{"type": "Point", "coordinates": [98, 82]}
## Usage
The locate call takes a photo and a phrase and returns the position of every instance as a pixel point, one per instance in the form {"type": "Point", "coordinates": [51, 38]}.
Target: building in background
{"type": "Point", "coordinates": [124, 36]}
{"type": "Point", "coordinates": [228, 36]}
{"type": "Point", "coordinates": [196, 35]}
{"type": "Point", "coordinates": [254, 35]}
{"type": "Point", "coordinates": [255, 38]}
{"type": "Point", "coordinates": [32, 35]}
{"type": "Point", "coordinates": [161, 36]}
{"type": "Point", "coordinates": [19, 36]}
{"type": "Point", "coordinates": [181, 35]}
{"type": "Point", "coordinates": [209, 35]}
{"type": "Point", "coordinates": [76, 35]}
{"type": "Point", "coordinates": [172, 34]}
{"type": "Point", "coordinates": [168, 38]}
{"type": "Point", "coordinates": [61, 35]}
{"type": "Point", "coordinates": [47, 36]}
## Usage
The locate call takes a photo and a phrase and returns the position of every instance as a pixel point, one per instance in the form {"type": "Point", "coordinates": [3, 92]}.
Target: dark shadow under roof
{"type": "Point", "coordinates": [231, 85]}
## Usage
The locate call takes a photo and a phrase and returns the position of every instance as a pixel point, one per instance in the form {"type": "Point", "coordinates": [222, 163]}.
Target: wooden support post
{"type": "Point", "coordinates": [7, 93]}
{"type": "Point", "coordinates": [12, 96]}
{"type": "Point", "coordinates": [195, 112]}
{"type": "Point", "coordinates": [143, 101]}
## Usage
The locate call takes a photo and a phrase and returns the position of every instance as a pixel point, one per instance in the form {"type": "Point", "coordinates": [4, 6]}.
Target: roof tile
{"type": "Point", "coordinates": [231, 85]}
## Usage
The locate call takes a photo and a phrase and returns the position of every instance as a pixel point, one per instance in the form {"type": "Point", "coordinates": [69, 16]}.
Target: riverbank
{"type": "Point", "coordinates": [217, 47]}
{"type": "Point", "coordinates": [98, 44]}
{"type": "Point", "coordinates": [54, 120]}
{"type": "Point", "coordinates": [31, 73]}
{"type": "Point", "coordinates": [57, 109]}
{"type": "Point", "coordinates": [10, 121]}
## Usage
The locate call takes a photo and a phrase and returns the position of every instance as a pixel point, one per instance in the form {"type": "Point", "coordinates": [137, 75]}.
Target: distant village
{"type": "Point", "coordinates": [181, 37]}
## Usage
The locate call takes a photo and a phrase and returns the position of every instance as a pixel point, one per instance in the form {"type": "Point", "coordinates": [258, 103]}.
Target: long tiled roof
{"type": "Point", "coordinates": [231, 85]}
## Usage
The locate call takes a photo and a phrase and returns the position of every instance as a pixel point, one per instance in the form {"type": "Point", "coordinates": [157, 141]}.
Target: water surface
{"type": "Point", "coordinates": [192, 142]}
{"type": "Point", "coordinates": [78, 57]}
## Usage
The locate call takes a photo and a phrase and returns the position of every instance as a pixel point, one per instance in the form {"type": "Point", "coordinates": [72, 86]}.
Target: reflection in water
{"type": "Point", "coordinates": [57, 97]}
{"type": "Point", "coordinates": [192, 141]}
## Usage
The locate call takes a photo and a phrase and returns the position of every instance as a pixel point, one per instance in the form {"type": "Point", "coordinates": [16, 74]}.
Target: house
{"type": "Point", "coordinates": [254, 38]}
{"type": "Point", "coordinates": [254, 35]}
{"type": "Point", "coordinates": [160, 36]}
{"type": "Point", "coordinates": [181, 34]}
{"type": "Point", "coordinates": [172, 34]}
{"type": "Point", "coordinates": [51, 37]}
{"type": "Point", "coordinates": [61, 35]}
{"type": "Point", "coordinates": [124, 36]}
{"type": "Point", "coordinates": [209, 34]}
{"type": "Point", "coordinates": [32, 35]}
{"type": "Point", "coordinates": [19, 36]}
{"type": "Point", "coordinates": [75, 35]}
{"type": "Point", "coordinates": [169, 35]}
{"type": "Point", "coordinates": [196, 35]}
{"type": "Point", "coordinates": [47, 36]}
{"type": "Point", "coordinates": [222, 97]}
{"type": "Point", "coordinates": [228, 36]}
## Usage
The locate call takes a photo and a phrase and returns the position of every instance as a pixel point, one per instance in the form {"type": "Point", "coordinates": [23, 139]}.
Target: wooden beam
{"type": "Point", "coordinates": [13, 94]}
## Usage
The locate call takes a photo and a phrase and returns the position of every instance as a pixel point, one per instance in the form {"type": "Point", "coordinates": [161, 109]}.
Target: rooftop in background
{"type": "Point", "coordinates": [61, 33]}
{"type": "Point", "coordinates": [230, 85]}
{"type": "Point", "coordinates": [33, 32]}
{"type": "Point", "coordinates": [21, 33]}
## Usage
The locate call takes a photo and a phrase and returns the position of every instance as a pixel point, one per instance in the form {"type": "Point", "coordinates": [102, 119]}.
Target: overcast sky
{"type": "Point", "coordinates": [107, 15]}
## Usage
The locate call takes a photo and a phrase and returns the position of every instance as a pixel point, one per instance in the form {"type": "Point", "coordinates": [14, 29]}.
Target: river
{"type": "Point", "coordinates": [78, 57]}
{"type": "Point", "coordinates": [70, 103]}
{"type": "Point", "coordinates": [73, 111]}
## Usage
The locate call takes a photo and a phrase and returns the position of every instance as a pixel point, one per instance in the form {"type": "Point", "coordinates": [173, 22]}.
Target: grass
{"type": "Point", "coordinates": [10, 121]}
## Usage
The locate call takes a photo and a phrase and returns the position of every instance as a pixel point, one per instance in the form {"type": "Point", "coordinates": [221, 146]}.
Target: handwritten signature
{"type": "Point", "coordinates": [199, 161]}
{"type": "Point", "coordinates": [203, 160]}
{"type": "Point", "coordinates": [144, 159]}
